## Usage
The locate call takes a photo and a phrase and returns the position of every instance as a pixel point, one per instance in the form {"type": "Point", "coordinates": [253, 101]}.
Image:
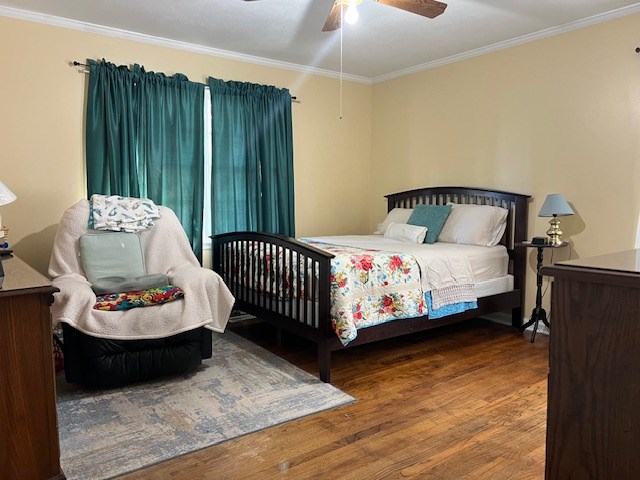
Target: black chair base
{"type": "Point", "coordinates": [99, 362]}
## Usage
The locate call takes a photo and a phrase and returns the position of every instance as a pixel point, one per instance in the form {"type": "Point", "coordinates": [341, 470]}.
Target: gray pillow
{"type": "Point", "coordinates": [111, 254]}
{"type": "Point", "coordinates": [122, 284]}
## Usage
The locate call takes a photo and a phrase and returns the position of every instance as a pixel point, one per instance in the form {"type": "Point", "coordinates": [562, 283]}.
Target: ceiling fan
{"type": "Point", "coordinates": [426, 8]}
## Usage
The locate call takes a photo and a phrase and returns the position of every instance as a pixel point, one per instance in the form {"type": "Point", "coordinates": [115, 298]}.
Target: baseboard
{"type": "Point", "coordinates": [238, 316]}
{"type": "Point", "coordinates": [241, 319]}
{"type": "Point", "coordinates": [504, 318]}
{"type": "Point", "coordinates": [542, 329]}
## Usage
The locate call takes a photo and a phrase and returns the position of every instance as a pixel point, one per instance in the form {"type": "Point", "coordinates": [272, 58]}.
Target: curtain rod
{"type": "Point", "coordinates": [84, 65]}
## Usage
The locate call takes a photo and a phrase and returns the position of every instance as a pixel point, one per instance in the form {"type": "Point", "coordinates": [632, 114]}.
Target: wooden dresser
{"type": "Point", "coordinates": [28, 420]}
{"type": "Point", "coordinates": [593, 418]}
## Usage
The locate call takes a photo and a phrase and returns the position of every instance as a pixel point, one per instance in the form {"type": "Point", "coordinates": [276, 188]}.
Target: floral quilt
{"type": "Point", "coordinates": [370, 287]}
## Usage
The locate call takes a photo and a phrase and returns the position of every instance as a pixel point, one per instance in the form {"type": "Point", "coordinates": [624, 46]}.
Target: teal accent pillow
{"type": "Point", "coordinates": [111, 254]}
{"type": "Point", "coordinates": [432, 217]}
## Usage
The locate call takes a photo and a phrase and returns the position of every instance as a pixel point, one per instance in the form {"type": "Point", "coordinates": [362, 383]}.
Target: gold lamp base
{"type": "Point", "coordinates": [554, 232]}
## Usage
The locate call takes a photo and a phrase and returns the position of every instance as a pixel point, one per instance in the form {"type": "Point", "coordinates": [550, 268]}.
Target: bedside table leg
{"type": "Point", "coordinates": [538, 315]}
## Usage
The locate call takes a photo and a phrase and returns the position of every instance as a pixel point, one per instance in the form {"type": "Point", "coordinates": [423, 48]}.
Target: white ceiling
{"type": "Point", "coordinates": [386, 41]}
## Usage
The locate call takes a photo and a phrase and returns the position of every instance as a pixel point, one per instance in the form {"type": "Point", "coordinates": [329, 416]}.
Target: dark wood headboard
{"type": "Point", "coordinates": [517, 204]}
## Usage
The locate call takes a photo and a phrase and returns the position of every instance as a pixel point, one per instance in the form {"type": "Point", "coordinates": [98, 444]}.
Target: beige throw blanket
{"type": "Point", "coordinates": [207, 301]}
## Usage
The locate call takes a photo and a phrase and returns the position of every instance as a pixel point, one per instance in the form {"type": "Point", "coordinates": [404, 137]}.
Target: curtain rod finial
{"type": "Point", "coordinates": [637, 49]}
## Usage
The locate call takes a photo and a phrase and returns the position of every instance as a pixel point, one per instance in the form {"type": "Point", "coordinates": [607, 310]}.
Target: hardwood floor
{"type": "Point", "coordinates": [465, 402]}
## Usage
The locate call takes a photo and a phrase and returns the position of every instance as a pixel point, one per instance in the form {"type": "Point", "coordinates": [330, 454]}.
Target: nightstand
{"type": "Point", "coordinates": [28, 422]}
{"type": "Point", "coordinates": [538, 314]}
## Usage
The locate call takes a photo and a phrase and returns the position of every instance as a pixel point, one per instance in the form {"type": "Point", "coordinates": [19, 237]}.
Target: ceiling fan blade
{"type": "Point", "coordinates": [334, 19]}
{"type": "Point", "coordinates": [426, 8]}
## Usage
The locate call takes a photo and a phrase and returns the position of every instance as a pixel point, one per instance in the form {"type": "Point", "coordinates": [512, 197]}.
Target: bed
{"type": "Point", "coordinates": [289, 282]}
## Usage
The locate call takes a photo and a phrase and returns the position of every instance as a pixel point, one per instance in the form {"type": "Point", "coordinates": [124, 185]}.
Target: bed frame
{"type": "Point", "coordinates": [310, 318]}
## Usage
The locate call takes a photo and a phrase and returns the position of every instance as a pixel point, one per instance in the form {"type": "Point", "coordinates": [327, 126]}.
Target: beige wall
{"type": "Point", "coordinates": [42, 139]}
{"type": "Point", "coordinates": [557, 115]}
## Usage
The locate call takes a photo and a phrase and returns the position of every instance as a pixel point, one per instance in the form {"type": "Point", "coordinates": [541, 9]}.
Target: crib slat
{"type": "Point", "coordinates": [237, 264]}
{"type": "Point", "coordinates": [305, 289]}
{"type": "Point", "coordinates": [314, 293]}
{"type": "Point", "coordinates": [239, 268]}
{"type": "Point", "coordinates": [298, 287]}
{"type": "Point", "coordinates": [252, 272]}
{"type": "Point", "coordinates": [276, 279]}
{"type": "Point", "coordinates": [269, 274]}
{"type": "Point", "coordinates": [291, 287]}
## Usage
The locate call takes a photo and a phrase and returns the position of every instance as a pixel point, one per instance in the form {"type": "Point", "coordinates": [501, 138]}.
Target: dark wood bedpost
{"type": "Point", "coordinates": [324, 361]}
{"type": "Point", "coordinates": [519, 256]}
{"type": "Point", "coordinates": [324, 313]}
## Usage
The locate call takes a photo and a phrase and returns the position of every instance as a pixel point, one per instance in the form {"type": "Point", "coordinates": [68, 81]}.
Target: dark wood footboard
{"type": "Point", "coordinates": [280, 280]}
{"type": "Point", "coordinates": [287, 282]}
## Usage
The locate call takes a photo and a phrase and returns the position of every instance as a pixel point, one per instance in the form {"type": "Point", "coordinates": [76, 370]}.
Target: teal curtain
{"type": "Point", "coordinates": [144, 138]}
{"type": "Point", "coordinates": [111, 130]}
{"type": "Point", "coordinates": [252, 158]}
{"type": "Point", "coordinates": [171, 148]}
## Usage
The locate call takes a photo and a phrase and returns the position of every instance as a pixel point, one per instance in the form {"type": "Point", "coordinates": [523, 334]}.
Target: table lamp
{"type": "Point", "coordinates": [6, 196]}
{"type": "Point", "coordinates": [555, 206]}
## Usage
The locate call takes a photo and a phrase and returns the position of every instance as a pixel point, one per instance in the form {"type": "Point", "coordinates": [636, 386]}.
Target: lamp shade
{"type": "Point", "coordinates": [555, 205]}
{"type": "Point", "coordinates": [6, 195]}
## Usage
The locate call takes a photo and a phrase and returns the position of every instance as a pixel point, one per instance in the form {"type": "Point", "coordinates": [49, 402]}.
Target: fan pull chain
{"type": "Point", "coordinates": [341, 30]}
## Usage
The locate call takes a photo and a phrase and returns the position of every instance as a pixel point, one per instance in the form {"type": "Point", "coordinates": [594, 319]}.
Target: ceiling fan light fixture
{"type": "Point", "coordinates": [351, 15]}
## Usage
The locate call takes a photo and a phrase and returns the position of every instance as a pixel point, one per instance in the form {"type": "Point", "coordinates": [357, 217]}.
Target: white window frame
{"type": "Point", "coordinates": [206, 210]}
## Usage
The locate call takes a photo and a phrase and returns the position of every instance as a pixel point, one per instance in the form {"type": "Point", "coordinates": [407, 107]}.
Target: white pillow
{"type": "Point", "coordinates": [481, 225]}
{"type": "Point", "coordinates": [397, 215]}
{"type": "Point", "coordinates": [406, 232]}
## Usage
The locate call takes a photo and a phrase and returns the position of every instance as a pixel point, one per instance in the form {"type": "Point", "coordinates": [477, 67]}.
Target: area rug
{"type": "Point", "coordinates": [241, 389]}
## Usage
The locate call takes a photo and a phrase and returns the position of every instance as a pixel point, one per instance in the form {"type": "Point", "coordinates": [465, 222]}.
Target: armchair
{"type": "Point", "coordinates": [103, 348]}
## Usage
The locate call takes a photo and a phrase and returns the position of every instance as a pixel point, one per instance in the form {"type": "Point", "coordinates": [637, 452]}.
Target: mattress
{"type": "Point", "coordinates": [486, 262]}
{"type": "Point", "coordinates": [494, 286]}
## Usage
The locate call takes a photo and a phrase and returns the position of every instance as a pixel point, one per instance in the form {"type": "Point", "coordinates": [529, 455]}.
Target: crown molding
{"type": "Point", "coordinates": [548, 32]}
{"type": "Point", "coordinates": [168, 43]}
{"type": "Point", "coordinates": [214, 52]}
